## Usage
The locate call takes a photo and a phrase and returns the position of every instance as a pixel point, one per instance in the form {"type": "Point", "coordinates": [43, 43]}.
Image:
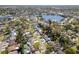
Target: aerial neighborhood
{"type": "Point", "coordinates": [39, 30]}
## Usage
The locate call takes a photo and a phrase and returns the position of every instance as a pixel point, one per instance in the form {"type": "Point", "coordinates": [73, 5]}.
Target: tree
{"type": "Point", "coordinates": [49, 22]}
{"type": "Point", "coordinates": [7, 31]}
{"type": "Point", "coordinates": [20, 38]}
{"type": "Point", "coordinates": [71, 50]}
{"type": "Point", "coordinates": [64, 41]}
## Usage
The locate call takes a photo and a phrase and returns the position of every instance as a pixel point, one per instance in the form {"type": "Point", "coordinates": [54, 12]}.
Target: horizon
{"type": "Point", "coordinates": [38, 6]}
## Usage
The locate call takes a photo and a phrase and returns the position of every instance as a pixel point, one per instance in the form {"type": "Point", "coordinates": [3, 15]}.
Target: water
{"type": "Point", "coordinates": [56, 18]}
{"type": "Point", "coordinates": [5, 17]}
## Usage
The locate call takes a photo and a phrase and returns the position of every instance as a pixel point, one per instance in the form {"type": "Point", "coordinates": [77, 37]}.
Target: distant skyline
{"type": "Point", "coordinates": [33, 6]}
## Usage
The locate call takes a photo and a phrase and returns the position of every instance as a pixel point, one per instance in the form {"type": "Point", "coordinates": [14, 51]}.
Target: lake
{"type": "Point", "coordinates": [56, 18]}
{"type": "Point", "coordinates": [5, 17]}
